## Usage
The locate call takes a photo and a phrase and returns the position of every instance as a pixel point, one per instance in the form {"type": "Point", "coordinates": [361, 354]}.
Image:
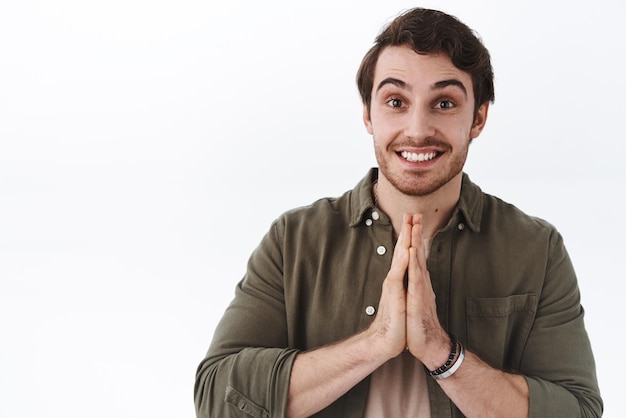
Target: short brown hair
{"type": "Point", "coordinates": [432, 32]}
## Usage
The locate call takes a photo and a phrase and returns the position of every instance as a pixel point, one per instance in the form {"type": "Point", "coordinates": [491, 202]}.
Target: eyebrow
{"type": "Point", "coordinates": [394, 81]}
{"type": "Point", "coordinates": [439, 85]}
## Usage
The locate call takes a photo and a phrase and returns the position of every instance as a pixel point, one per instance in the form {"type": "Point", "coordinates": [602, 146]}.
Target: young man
{"type": "Point", "coordinates": [414, 294]}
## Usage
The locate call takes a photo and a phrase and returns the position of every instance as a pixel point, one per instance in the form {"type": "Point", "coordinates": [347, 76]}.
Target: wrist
{"type": "Point", "coordinates": [438, 353]}
{"type": "Point", "coordinates": [453, 362]}
{"type": "Point", "coordinates": [378, 346]}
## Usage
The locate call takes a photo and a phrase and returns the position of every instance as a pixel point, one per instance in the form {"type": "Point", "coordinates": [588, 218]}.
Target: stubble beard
{"type": "Point", "coordinates": [420, 183]}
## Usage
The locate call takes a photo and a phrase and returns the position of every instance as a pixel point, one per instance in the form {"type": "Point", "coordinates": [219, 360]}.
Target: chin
{"type": "Point", "coordinates": [421, 186]}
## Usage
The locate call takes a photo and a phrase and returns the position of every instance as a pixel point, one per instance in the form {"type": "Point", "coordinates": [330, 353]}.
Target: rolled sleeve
{"type": "Point", "coordinates": [253, 382]}
{"type": "Point", "coordinates": [558, 360]}
{"type": "Point", "coordinates": [247, 368]}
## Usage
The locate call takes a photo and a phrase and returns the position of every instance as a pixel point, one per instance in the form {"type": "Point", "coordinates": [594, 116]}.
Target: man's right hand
{"type": "Point", "coordinates": [321, 376]}
{"type": "Point", "coordinates": [389, 327]}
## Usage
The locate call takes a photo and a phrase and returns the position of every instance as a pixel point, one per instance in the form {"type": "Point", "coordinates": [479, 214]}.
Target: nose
{"type": "Point", "coordinates": [418, 124]}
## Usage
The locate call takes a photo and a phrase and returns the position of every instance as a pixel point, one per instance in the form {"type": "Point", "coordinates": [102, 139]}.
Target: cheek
{"type": "Point", "coordinates": [383, 127]}
{"type": "Point", "coordinates": [464, 133]}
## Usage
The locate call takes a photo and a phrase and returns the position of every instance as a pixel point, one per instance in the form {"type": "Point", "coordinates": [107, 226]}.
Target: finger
{"type": "Point", "coordinates": [419, 278]}
{"type": "Point", "coordinates": [421, 247]}
{"type": "Point", "coordinates": [416, 231]}
{"type": "Point", "coordinates": [400, 259]}
{"type": "Point", "coordinates": [404, 238]}
{"type": "Point", "coordinates": [415, 273]}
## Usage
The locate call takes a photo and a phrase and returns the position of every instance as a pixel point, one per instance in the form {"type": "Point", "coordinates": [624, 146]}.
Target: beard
{"type": "Point", "coordinates": [419, 182]}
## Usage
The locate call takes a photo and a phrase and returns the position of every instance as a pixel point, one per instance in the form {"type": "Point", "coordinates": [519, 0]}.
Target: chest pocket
{"type": "Point", "coordinates": [497, 328]}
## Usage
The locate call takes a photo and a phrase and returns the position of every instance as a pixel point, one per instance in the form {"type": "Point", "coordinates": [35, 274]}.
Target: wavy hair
{"type": "Point", "coordinates": [432, 32]}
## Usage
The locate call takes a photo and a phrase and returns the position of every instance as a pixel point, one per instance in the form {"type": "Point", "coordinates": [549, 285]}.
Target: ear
{"type": "Point", "coordinates": [480, 120]}
{"type": "Point", "coordinates": [366, 120]}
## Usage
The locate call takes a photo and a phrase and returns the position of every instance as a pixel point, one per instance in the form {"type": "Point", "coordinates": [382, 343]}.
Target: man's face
{"type": "Point", "coordinates": [422, 119]}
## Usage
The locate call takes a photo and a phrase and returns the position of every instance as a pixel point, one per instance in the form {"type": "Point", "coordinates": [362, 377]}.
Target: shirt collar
{"type": "Point", "coordinates": [468, 209]}
{"type": "Point", "coordinates": [362, 200]}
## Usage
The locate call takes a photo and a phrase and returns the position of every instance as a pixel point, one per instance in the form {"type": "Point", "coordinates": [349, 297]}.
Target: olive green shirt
{"type": "Point", "coordinates": [504, 283]}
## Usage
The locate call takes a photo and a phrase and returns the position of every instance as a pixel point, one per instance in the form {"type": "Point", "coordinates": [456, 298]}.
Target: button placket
{"type": "Point", "coordinates": [378, 233]}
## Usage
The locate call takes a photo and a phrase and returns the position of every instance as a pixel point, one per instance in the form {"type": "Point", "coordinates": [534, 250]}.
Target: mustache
{"type": "Point", "coordinates": [426, 142]}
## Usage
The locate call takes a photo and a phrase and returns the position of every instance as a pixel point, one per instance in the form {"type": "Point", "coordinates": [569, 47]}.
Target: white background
{"type": "Point", "coordinates": [146, 146]}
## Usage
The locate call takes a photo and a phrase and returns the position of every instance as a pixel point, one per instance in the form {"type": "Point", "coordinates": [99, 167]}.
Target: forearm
{"type": "Point", "coordinates": [253, 380]}
{"type": "Point", "coordinates": [319, 377]}
{"type": "Point", "coordinates": [479, 390]}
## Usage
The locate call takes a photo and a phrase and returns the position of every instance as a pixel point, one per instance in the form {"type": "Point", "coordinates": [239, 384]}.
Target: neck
{"type": "Point", "coordinates": [436, 208]}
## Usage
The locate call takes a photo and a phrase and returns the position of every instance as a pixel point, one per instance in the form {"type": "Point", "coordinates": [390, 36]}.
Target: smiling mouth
{"type": "Point", "coordinates": [415, 157]}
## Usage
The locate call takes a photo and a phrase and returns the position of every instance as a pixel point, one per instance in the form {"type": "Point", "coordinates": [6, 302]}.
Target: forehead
{"type": "Point", "coordinates": [417, 70]}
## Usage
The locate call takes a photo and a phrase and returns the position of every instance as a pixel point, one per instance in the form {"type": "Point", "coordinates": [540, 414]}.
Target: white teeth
{"type": "Point", "coordinates": [415, 157]}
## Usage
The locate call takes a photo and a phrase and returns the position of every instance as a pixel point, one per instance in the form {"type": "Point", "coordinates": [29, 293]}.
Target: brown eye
{"type": "Point", "coordinates": [445, 104]}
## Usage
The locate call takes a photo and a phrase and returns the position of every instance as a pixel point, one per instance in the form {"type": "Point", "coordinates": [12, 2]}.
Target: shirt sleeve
{"type": "Point", "coordinates": [558, 361]}
{"type": "Point", "coordinates": [247, 368]}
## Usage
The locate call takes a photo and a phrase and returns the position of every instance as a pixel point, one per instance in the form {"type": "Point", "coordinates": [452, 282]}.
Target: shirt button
{"type": "Point", "coordinates": [461, 226]}
{"type": "Point", "coordinates": [381, 250]}
{"type": "Point", "coordinates": [370, 310]}
{"type": "Point", "coordinates": [375, 216]}
{"type": "Point", "coordinates": [368, 222]}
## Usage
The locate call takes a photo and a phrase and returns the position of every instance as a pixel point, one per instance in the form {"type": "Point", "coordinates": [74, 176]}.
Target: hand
{"type": "Point", "coordinates": [389, 326]}
{"type": "Point", "coordinates": [426, 339]}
